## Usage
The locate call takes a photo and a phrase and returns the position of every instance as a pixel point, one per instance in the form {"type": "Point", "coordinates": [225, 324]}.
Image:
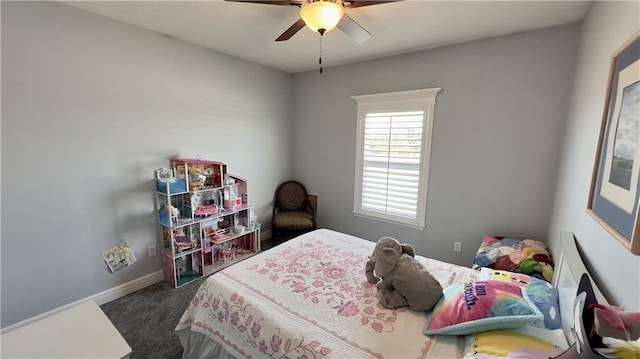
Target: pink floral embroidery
{"type": "Point", "coordinates": [323, 273]}
{"type": "Point", "coordinates": [349, 310]}
{"type": "Point", "coordinates": [239, 316]}
{"type": "Point", "coordinates": [275, 342]}
{"type": "Point", "coordinates": [255, 330]}
{"type": "Point", "coordinates": [334, 272]}
{"type": "Point", "coordinates": [235, 317]}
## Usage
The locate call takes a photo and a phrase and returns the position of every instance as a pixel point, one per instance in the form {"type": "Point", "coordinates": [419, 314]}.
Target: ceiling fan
{"type": "Point", "coordinates": [324, 15]}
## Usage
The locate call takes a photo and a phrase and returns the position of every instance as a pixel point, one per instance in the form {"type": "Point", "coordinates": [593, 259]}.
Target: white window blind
{"type": "Point", "coordinates": [392, 155]}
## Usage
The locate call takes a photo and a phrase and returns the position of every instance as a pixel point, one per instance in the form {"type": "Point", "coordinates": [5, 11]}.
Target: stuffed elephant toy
{"type": "Point", "coordinates": [385, 242]}
{"type": "Point", "coordinates": [400, 278]}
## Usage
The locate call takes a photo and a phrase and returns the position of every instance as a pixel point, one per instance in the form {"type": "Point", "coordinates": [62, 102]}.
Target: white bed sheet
{"type": "Point", "coordinates": [309, 298]}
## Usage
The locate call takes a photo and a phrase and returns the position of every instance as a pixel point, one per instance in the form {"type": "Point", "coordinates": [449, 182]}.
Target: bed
{"type": "Point", "coordinates": [309, 298]}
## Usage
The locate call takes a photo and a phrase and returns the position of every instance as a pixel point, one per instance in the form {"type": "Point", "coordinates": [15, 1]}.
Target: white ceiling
{"type": "Point", "coordinates": [248, 31]}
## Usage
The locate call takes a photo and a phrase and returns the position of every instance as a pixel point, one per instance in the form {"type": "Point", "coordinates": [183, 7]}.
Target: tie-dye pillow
{"type": "Point", "coordinates": [477, 306]}
{"type": "Point", "coordinates": [541, 293]}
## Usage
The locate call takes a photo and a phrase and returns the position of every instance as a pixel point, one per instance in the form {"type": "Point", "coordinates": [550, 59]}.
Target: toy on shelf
{"type": "Point", "coordinates": [209, 231]}
{"type": "Point", "coordinates": [181, 264]}
{"type": "Point", "coordinates": [235, 192]}
{"type": "Point", "coordinates": [221, 235]}
{"type": "Point", "coordinates": [205, 204]}
{"type": "Point", "coordinates": [166, 182]}
{"type": "Point", "coordinates": [174, 213]}
{"type": "Point", "coordinates": [182, 241]}
{"type": "Point", "coordinates": [229, 254]}
{"type": "Point", "coordinates": [200, 174]}
{"type": "Point", "coordinates": [206, 211]}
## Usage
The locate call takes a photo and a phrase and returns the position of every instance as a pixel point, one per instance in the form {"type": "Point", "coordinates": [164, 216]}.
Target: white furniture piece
{"type": "Point", "coordinates": [83, 331]}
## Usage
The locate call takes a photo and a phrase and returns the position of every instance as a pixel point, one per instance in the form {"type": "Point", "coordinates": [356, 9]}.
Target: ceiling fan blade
{"type": "Point", "coordinates": [360, 3]}
{"type": "Point", "coordinates": [272, 2]}
{"type": "Point", "coordinates": [350, 27]}
{"type": "Point", "coordinates": [297, 26]}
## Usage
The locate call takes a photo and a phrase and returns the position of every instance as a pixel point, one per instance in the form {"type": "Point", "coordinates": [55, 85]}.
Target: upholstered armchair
{"type": "Point", "coordinates": [294, 211]}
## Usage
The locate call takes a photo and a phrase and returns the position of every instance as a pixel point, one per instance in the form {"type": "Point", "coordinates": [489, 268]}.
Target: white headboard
{"type": "Point", "coordinates": [566, 275]}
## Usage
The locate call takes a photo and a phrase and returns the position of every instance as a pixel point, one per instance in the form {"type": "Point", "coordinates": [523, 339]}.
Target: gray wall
{"type": "Point", "coordinates": [90, 108]}
{"type": "Point", "coordinates": [606, 27]}
{"type": "Point", "coordinates": [498, 127]}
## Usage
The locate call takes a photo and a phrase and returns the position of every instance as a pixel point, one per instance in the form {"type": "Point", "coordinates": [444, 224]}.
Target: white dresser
{"type": "Point", "coordinates": [83, 331]}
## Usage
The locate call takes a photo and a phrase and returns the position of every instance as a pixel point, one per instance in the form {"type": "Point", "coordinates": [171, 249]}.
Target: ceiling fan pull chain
{"type": "Point", "coordinates": [320, 59]}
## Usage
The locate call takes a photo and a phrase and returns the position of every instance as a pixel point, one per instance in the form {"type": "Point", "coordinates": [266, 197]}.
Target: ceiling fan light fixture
{"type": "Point", "coordinates": [321, 16]}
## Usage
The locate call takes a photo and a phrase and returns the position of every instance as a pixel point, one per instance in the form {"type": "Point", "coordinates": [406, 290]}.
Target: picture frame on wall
{"type": "Point", "coordinates": [615, 186]}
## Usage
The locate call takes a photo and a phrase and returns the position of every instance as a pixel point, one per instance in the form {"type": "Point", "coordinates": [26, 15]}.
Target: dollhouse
{"type": "Point", "coordinates": [204, 219]}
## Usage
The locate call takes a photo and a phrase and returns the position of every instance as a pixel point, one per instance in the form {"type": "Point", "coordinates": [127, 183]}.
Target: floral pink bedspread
{"type": "Point", "coordinates": [309, 298]}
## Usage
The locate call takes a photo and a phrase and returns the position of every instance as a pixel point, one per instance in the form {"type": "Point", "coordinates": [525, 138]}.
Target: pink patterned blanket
{"type": "Point", "coordinates": [309, 298]}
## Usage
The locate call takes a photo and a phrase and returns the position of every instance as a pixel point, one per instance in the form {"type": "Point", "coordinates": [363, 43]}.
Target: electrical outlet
{"type": "Point", "coordinates": [152, 250]}
{"type": "Point", "coordinates": [457, 246]}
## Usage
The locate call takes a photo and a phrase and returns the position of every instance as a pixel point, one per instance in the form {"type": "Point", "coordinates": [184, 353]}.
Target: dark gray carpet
{"type": "Point", "coordinates": [146, 318]}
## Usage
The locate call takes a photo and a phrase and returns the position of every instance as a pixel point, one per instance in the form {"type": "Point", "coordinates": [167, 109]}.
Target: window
{"type": "Point", "coordinates": [392, 155]}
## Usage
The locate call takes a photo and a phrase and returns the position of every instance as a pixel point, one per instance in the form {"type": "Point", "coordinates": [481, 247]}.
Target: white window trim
{"type": "Point", "coordinates": [424, 100]}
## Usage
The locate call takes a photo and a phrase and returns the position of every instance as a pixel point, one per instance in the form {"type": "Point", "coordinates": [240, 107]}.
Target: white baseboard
{"type": "Point", "coordinates": [127, 288]}
{"type": "Point", "coordinates": [109, 294]}
{"type": "Point", "coordinates": [100, 298]}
